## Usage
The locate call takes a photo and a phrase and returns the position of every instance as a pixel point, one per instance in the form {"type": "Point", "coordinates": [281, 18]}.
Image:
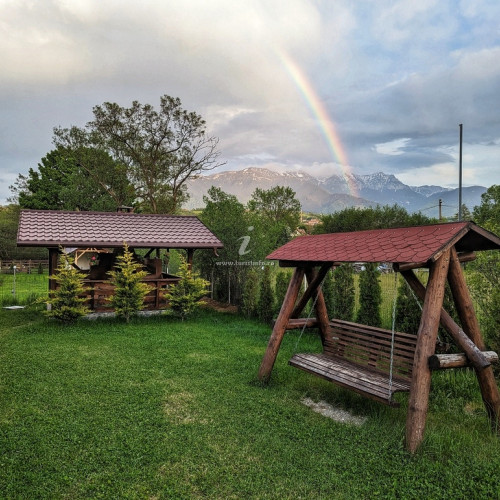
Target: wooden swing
{"type": "Point", "coordinates": [375, 362]}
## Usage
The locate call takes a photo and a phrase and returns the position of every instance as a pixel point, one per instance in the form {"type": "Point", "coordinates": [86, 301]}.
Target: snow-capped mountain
{"type": "Point", "coordinates": [336, 192]}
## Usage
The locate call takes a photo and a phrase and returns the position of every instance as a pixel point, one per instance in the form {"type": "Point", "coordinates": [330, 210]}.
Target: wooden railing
{"type": "Point", "coordinates": [99, 293]}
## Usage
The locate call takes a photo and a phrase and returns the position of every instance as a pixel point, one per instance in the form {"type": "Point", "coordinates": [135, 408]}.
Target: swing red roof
{"type": "Point", "coordinates": [397, 245]}
{"type": "Point", "coordinates": [49, 228]}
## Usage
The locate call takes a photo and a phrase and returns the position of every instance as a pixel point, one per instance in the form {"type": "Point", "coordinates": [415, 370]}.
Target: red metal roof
{"type": "Point", "coordinates": [399, 245]}
{"type": "Point", "coordinates": [49, 228]}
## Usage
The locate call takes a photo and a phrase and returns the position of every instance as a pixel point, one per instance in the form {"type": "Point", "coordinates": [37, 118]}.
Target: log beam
{"type": "Point", "coordinates": [468, 318]}
{"type": "Point", "coordinates": [465, 343]}
{"type": "Point", "coordinates": [426, 341]}
{"type": "Point", "coordinates": [280, 325]}
{"type": "Point", "coordinates": [313, 282]}
{"type": "Point", "coordinates": [315, 279]}
{"type": "Point", "coordinates": [457, 360]}
{"type": "Point", "coordinates": [298, 323]}
{"type": "Point", "coordinates": [463, 257]}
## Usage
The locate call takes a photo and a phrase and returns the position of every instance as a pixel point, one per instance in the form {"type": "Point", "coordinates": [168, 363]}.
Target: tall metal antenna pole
{"type": "Point", "coordinates": [460, 175]}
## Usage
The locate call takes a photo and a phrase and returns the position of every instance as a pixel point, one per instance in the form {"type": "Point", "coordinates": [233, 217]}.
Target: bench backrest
{"type": "Point", "coordinates": [371, 346]}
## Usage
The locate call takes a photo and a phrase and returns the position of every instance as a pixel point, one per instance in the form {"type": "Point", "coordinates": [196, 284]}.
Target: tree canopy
{"type": "Point", "coordinates": [82, 178]}
{"type": "Point", "coordinates": [248, 233]}
{"type": "Point", "coordinates": [275, 215]}
{"type": "Point", "coordinates": [9, 221]}
{"type": "Point", "coordinates": [356, 219]}
{"type": "Point", "coordinates": [277, 204]}
{"type": "Point", "coordinates": [487, 213]}
{"type": "Point", "coordinates": [160, 149]}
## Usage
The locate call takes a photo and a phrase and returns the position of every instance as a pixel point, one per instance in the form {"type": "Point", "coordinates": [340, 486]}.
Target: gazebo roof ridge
{"type": "Point", "coordinates": [52, 228]}
{"type": "Point", "coordinates": [400, 245]}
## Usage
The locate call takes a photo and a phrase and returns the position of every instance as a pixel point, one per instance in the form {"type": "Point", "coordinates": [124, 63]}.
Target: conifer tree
{"type": "Point", "coordinates": [128, 297]}
{"type": "Point", "coordinates": [66, 303]}
{"type": "Point", "coordinates": [184, 297]}
{"type": "Point", "coordinates": [370, 296]}
{"type": "Point", "coordinates": [328, 292]}
{"type": "Point", "coordinates": [250, 294]}
{"type": "Point", "coordinates": [282, 280]}
{"type": "Point", "coordinates": [343, 292]}
{"type": "Point", "coordinates": [408, 312]}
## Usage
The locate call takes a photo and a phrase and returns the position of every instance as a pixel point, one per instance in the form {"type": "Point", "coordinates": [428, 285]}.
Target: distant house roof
{"type": "Point", "coordinates": [47, 228]}
{"type": "Point", "coordinates": [400, 245]}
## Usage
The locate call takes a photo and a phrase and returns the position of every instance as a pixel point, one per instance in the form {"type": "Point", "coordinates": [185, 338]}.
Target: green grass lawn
{"type": "Point", "coordinates": [22, 288]}
{"type": "Point", "coordinates": [165, 409]}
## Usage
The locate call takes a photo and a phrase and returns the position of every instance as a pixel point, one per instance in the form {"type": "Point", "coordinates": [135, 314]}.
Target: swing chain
{"type": "Point", "coordinates": [393, 333]}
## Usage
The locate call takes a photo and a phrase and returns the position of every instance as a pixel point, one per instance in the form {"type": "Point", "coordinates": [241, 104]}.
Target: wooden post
{"type": "Point", "coordinates": [53, 257]}
{"type": "Point", "coordinates": [473, 353]}
{"type": "Point", "coordinates": [465, 308]}
{"type": "Point", "coordinates": [313, 281]}
{"type": "Point", "coordinates": [280, 325]}
{"type": "Point", "coordinates": [190, 253]}
{"type": "Point", "coordinates": [426, 340]}
{"type": "Point", "coordinates": [319, 302]}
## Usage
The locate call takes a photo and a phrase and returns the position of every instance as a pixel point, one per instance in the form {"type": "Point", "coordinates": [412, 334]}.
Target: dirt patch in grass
{"type": "Point", "coordinates": [179, 408]}
{"type": "Point", "coordinates": [337, 414]}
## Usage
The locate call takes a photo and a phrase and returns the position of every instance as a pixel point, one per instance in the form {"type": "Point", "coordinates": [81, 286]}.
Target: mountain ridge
{"type": "Point", "coordinates": [337, 192]}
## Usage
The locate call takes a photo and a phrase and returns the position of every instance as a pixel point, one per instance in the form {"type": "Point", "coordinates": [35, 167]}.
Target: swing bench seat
{"type": "Point", "coordinates": [358, 357]}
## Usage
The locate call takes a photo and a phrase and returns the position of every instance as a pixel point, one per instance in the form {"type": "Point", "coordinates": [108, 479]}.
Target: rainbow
{"type": "Point", "coordinates": [321, 115]}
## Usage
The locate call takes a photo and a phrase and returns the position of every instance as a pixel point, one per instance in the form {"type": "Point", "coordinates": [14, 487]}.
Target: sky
{"type": "Point", "coordinates": [324, 87]}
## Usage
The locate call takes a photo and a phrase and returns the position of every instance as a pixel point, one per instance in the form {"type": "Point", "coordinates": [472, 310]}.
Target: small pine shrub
{"type": "Point", "coordinates": [65, 303]}
{"type": "Point", "coordinates": [40, 268]}
{"type": "Point", "coordinates": [249, 300]}
{"type": "Point", "coordinates": [129, 293]}
{"type": "Point", "coordinates": [344, 296]}
{"type": "Point", "coordinates": [184, 297]}
{"type": "Point", "coordinates": [370, 296]}
{"type": "Point", "coordinates": [266, 297]}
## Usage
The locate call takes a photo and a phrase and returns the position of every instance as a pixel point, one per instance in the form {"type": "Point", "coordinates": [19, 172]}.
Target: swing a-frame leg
{"type": "Point", "coordinates": [418, 402]}
{"type": "Point", "coordinates": [468, 318]}
{"type": "Point", "coordinates": [469, 339]}
{"type": "Point", "coordinates": [280, 325]}
{"type": "Point", "coordinates": [290, 309]}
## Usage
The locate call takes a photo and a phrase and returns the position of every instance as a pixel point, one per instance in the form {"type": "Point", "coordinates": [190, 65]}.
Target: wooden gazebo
{"type": "Point", "coordinates": [100, 234]}
{"type": "Point", "coordinates": [376, 362]}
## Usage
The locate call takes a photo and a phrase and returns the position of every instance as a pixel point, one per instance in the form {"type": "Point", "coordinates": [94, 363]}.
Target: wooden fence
{"type": "Point", "coordinates": [23, 265]}
{"type": "Point", "coordinates": [99, 292]}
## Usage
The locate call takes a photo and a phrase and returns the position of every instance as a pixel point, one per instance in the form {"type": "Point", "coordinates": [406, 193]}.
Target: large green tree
{"type": "Point", "coordinates": [228, 219]}
{"type": "Point", "coordinates": [9, 222]}
{"type": "Point", "coordinates": [488, 212]}
{"type": "Point", "coordinates": [278, 204]}
{"type": "Point", "coordinates": [275, 214]}
{"type": "Point", "coordinates": [161, 148]}
{"type": "Point", "coordinates": [74, 179]}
